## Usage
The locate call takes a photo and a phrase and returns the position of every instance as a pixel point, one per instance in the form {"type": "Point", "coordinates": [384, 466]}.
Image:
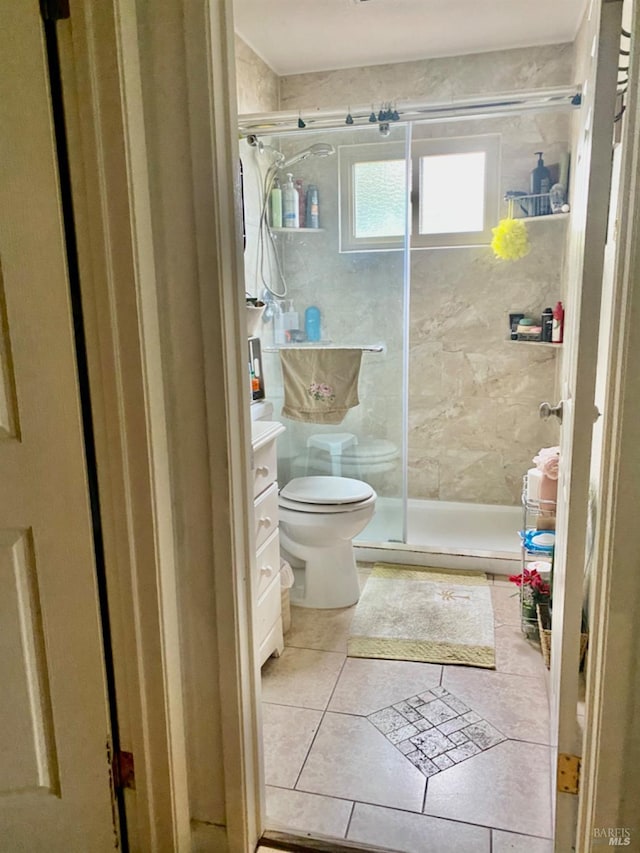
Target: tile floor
{"type": "Point", "coordinates": [408, 756]}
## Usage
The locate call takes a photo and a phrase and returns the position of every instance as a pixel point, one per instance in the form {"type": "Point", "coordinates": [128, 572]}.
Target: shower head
{"type": "Point", "coordinates": [320, 149]}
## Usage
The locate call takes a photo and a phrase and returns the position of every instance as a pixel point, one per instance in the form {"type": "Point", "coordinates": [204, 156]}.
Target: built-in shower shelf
{"type": "Point", "coordinates": [296, 230]}
{"type": "Point", "coordinates": [544, 218]}
{"type": "Point", "coordinates": [535, 343]}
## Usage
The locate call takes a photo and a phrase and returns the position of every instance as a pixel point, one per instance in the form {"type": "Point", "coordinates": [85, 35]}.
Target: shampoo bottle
{"type": "Point", "coordinates": [312, 323]}
{"type": "Point", "coordinates": [540, 183]}
{"type": "Point", "coordinates": [276, 205]}
{"type": "Point", "coordinates": [557, 332]}
{"type": "Point", "coordinates": [546, 322]}
{"type": "Point", "coordinates": [290, 204]}
{"type": "Point", "coordinates": [313, 208]}
{"type": "Point", "coordinates": [301, 212]}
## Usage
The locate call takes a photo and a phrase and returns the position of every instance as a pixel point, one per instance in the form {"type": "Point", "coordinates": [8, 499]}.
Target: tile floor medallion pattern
{"type": "Point", "coordinates": [435, 730]}
{"type": "Point", "coordinates": [347, 756]}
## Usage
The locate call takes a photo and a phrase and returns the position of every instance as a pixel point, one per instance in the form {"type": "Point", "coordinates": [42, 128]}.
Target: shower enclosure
{"type": "Point", "coordinates": [400, 267]}
{"type": "Point", "coordinates": [361, 297]}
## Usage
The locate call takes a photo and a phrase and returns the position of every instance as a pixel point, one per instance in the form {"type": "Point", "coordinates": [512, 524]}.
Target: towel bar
{"type": "Point", "coordinates": [368, 348]}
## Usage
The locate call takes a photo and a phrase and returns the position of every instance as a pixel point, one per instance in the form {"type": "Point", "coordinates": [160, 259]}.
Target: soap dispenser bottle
{"type": "Point", "coordinates": [290, 204]}
{"type": "Point", "coordinates": [540, 183]}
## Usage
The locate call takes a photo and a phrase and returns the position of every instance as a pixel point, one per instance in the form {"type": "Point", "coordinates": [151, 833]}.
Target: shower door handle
{"type": "Point", "coordinates": [547, 410]}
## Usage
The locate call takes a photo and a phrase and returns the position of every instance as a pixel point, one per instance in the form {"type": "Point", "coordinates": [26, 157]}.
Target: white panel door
{"type": "Point", "coordinates": [55, 788]}
{"type": "Point", "coordinates": [591, 171]}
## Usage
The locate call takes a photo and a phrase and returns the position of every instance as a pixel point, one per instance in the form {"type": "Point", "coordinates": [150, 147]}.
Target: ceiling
{"type": "Point", "coordinates": [294, 36]}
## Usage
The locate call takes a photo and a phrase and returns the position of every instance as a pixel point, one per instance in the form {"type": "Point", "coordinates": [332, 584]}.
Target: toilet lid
{"type": "Point", "coordinates": [326, 490]}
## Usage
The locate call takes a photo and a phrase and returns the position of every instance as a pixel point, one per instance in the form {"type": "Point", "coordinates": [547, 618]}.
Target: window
{"type": "Point", "coordinates": [455, 193]}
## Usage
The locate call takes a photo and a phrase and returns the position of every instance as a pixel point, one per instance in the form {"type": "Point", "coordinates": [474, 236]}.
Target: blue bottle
{"type": "Point", "coordinates": [312, 323]}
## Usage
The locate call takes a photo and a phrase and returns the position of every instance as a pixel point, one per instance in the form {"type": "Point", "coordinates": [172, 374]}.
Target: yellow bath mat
{"type": "Point", "coordinates": [428, 615]}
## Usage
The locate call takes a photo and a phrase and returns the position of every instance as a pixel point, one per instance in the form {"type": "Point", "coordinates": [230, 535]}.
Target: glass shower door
{"type": "Point", "coordinates": [352, 269]}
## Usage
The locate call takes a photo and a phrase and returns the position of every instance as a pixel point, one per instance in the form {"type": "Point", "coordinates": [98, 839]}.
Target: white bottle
{"type": "Point", "coordinates": [276, 205]}
{"type": "Point", "coordinates": [290, 322]}
{"type": "Point", "coordinates": [290, 204]}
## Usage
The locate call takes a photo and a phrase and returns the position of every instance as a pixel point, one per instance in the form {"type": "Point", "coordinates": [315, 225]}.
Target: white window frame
{"type": "Point", "coordinates": [349, 155]}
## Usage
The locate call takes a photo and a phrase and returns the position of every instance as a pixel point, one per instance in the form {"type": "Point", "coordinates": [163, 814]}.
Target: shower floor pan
{"type": "Point", "coordinates": [444, 534]}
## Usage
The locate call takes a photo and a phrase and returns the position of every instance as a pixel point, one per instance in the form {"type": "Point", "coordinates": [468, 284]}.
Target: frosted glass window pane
{"type": "Point", "coordinates": [379, 198]}
{"type": "Point", "coordinates": [452, 193]}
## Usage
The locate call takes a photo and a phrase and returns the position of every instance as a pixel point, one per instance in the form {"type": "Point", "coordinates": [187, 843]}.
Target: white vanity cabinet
{"type": "Point", "coordinates": [267, 618]}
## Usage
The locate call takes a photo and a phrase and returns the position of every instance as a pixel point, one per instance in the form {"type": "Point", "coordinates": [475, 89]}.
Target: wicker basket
{"type": "Point", "coordinates": [544, 625]}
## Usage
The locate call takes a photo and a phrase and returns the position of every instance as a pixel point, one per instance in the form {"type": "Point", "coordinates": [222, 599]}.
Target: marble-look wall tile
{"type": "Point", "coordinates": [256, 84]}
{"type": "Point", "coordinates": [497, 71]}
{"type": "Point", "coordinates": [473, 395]}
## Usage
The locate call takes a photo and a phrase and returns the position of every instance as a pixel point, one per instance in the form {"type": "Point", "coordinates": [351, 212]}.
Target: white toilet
{"type": "Point", "coordinates": [342, 454]}
{"type": "Point", "coordinates": [319, 516]}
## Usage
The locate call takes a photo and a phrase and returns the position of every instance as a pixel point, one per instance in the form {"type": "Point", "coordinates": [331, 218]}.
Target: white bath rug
{"type": "Point", "coordinates": [426, 615]}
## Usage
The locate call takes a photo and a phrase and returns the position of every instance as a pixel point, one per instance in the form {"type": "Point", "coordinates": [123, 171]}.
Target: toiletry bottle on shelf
{"type": "Point", "coordinates": [276, 205]}
{"type": "Point", "coordinates": [312, 323]}
{"type": "Point", "coordinates": [546, 321]}
{"type": "Point", "coordinates": [312, 218]}
{"type": "Point", "coordinates": [557, 332]}
{"type": "Point", "coordinates": [290, 204]}
{"type": "Point", "coordinates": [556, 198]}
{"type": "Point", "coordinates": [540, 183]}
{"type": "Point", "coordinates": [301, 213]}
{"type": "Point", "coordinates": [290, 321]}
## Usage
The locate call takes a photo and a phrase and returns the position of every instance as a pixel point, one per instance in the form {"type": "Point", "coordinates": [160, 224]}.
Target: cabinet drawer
{"type": "Point", "coordinates": [267, 564]}
{"type": "Point", "coordinates": [267, 611]}
{"type": "Point", "coordinates": [265, 467]}
{"type": "Point", "coordinates": [265, 511]}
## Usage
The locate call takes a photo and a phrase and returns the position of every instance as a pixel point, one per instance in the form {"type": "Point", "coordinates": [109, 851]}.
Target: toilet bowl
{"type": "Point", "coordinates": [319, 517]}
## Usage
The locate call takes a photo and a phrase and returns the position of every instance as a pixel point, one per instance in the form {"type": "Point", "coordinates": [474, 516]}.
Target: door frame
{"type": "Point", "coordinates": [610, 772]}
{"type": "Point", "coordinates": [181, 626]}
{"type": "Point", "coordinates": [124, 356]}
{"type": "Point", "coordinates": [167, 466]}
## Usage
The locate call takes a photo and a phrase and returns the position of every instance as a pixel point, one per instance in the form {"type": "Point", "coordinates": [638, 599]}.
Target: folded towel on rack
{"type": "Point", "coordinates": [320, 384]}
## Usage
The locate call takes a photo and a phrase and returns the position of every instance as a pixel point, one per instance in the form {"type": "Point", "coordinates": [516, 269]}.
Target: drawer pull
{"type": "Point", "coordinates": [263, 470]}
{"type": "Point", "coordinates": [266, 570]}
{"type": "Point", "coordinates": [265, 520]}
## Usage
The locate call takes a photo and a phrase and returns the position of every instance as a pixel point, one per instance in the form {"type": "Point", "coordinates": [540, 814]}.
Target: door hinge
{"type": "Point", "coordinates": [568, 779]}
{"type": "Point", "coordinates": [123, 770]}
{"type": "Point", "coordinates": [54, 10]}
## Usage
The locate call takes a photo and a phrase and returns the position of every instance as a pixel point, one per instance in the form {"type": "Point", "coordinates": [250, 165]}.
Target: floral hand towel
{"type": "Point", "coordinates": [320, 384]}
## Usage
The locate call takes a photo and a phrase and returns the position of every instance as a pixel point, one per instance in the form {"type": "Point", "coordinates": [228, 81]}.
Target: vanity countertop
{"type": "Point", "coordinates": [262, 432]}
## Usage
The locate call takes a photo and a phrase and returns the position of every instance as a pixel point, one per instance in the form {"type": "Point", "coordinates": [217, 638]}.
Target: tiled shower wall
{"type": "Point", "coordinates": [473, 395]}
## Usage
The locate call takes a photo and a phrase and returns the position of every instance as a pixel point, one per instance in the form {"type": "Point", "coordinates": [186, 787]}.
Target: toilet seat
{"type": "Point", "coordinates": [326, 494]}
{"type": "Point", "coordinates": [319, 518]}
{"type": "Point", "coordinates": [326, 490]}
